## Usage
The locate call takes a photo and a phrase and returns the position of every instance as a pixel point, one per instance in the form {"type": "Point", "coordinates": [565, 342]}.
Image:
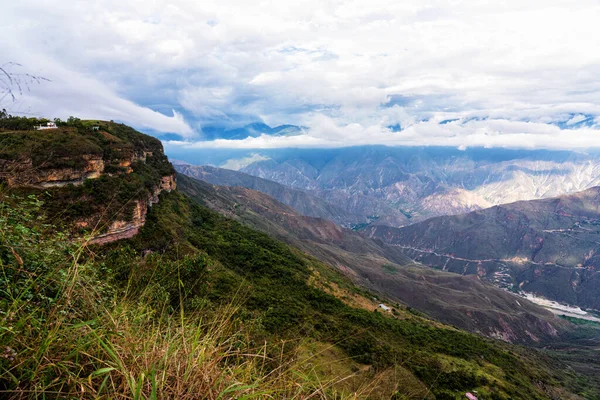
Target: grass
{"type": "Point", "coordinates": [69, 334]}
{"type": "Point", "coordinates": [197, 303]}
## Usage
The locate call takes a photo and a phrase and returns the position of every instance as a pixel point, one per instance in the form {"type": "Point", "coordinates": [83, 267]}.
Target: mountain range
{"type": "Point", "coordinates": [123, 279]}
{"type": "Point", "coordinates": [301, 201]}
{"type": "Point", "coordinates": [385, 269]}
{"type": "Point", "coordinates": [550, 247]}
{"type": "Point", "coordinates": [398, 186]}
{"type": "Point", "coordinates": [547, 247]}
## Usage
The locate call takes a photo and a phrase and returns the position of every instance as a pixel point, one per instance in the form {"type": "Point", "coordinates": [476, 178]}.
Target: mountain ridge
{"type": "Point", "coordinates": [305, 203]}
{"type": "Point", "coordinates": [548, 246]}
{"type": "Point", "coordinates": [401, 186]}
{"type": "Point", "coordinates": [384, 269]}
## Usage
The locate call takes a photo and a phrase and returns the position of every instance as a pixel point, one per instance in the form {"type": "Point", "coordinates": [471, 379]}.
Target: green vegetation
{"type": "Point", "coordinates": [389, 269]}
{"type": "Point", "coordinates": [134, 164]}
{"type": "Point", "coordinates": [66, 145]}
{"type": "Point", "coordinates": [198, 305]}
{"type": "Point", "coordinates": [581, 321]}
{"type": "Point", "coordinates": [196, 296]}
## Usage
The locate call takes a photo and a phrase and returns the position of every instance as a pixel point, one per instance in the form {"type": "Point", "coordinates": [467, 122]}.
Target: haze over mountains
{"type": "Point", "coordinates": [398, 186]}
{"type": "Point", "coordinates": [301, 201]}
{"type": "Point", "coordinates": [543, 244]}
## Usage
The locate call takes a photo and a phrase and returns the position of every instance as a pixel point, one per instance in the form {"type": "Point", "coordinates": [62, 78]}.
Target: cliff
{"type": "Point", "coordinates": [97, 177]}
{"type": "Point", "coordinates": [125, 229]}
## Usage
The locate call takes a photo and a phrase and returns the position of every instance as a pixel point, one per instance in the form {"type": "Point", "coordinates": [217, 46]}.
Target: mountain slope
{"type": "Point", "coordinates": [301, 201]}
{"type": "Point", "coordinates": [465, 302]}
{"type": "Point", "coordinates": [198, 305]}
{"type": "Point", "coordinates": [550, 247]}
{"type": "Point", "coordinates": [403, 185]}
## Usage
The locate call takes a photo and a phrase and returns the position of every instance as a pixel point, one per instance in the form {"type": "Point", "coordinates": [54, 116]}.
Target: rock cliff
{"type": "Point", "coordinates": [101, 181]}
{"type": "Point", "coordinates": [125, 229]}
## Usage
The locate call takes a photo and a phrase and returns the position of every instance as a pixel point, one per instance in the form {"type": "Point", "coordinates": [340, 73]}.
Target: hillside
{"type": "Point", "coordinates": [549, 247]}
{"type": "Point", "coordinates": [101, 177]}
{"type": "Point", "coordinates": [299, 200]}
{"type": "Point", "coordinates": [195, 304]}
{"type": "Point", "coordinates": [465, 302]}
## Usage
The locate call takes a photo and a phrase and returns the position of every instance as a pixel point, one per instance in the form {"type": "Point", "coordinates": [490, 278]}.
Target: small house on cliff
{"type": "Point", "coordinates": [48, 125]}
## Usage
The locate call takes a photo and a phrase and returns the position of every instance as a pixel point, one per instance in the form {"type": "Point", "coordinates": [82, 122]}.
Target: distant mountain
{"type": "Point", "coordinates": [466, 302]}
{"type": "Point", "coordinates": [304, 203]}
{"type": "Point", "coordinates": [550, 247]}
{"type": "Point", "coordinates": [398, 186]}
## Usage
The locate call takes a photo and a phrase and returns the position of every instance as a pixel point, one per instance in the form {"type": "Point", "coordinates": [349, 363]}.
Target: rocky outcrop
{"type": "Point", "coordinates": [130, 169]}
{"type": "Point", "coordinates": [74, 171]}
{"type": "Point", "coordinates": [122, 229]}
{"type": "Point", "coordinates": [24, 173]}
{"type": "Point", "coordinates": [65, 170]}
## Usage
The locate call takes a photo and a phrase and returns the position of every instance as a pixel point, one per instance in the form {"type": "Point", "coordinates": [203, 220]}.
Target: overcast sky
{"type": "Point", "coordinates": [496, 73]}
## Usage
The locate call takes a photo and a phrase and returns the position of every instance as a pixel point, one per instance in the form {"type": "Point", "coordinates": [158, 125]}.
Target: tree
{"type": "Point", "coordinates": [72, 121]}
{"type": "Point", "coordinates": [13, 84]}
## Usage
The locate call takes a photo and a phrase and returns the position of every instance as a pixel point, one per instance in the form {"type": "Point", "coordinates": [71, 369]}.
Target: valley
{"type": "Point", "coordinates": [164, 256]}
{"type": "Point", "coordinates": [548, 247]}
{"type": "Point", "coordinates": [383, 269]}
{"type": "Point", "coordinates": [300, 200]}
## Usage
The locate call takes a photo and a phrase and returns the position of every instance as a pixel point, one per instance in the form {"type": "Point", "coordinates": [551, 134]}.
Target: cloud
{"type": "Point", "coordinates": [509, 72]}
{"type": "Point", "coordinates": [459, 133]}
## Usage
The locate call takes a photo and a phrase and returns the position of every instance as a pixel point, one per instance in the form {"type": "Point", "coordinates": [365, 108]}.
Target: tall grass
{"type": "Point", "coordinates": [66, 332]}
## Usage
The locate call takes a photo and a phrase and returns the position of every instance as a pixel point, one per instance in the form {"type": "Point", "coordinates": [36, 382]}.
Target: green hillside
{"type": "Point", "coordinates": [466, 302]}
{"type": "Point", "coordinates": [197, 305]}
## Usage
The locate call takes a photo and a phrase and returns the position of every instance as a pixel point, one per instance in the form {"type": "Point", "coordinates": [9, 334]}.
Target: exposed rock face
{"type": "Point", "coordinates": [121, 229]}
{"type": "Point", "coordinates": [124, 229]}
{"type": "Point", "coordinates": [62, 162]}
{"type": "Point", "coordinates": [24, 173]}
{"type": "Point", "coordinates": [65, 170]}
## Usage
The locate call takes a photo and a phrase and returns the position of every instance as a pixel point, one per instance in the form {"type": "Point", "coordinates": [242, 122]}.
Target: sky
{"type": "Point", "coordinates": [519, 74]}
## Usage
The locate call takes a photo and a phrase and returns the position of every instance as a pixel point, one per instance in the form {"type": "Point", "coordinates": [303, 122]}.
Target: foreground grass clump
{"type": "Point", "coordinates": [199, 306]}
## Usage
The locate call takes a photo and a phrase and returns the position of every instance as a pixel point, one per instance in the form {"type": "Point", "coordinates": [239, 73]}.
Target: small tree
{"type": "Point", "coordinates": [72, 121]}
{"type": "Point", "coordinates": [13, 84]}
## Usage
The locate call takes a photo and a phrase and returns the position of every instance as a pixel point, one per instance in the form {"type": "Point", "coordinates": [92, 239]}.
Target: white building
{"type": "Point", "coordinates": [49, 125]}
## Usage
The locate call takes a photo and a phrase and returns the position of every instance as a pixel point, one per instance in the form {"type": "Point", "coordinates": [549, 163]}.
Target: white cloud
{"type": "Point", "coordinates": [460, 134]}
{"type": "Point", "coordinates": [344, 69]}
